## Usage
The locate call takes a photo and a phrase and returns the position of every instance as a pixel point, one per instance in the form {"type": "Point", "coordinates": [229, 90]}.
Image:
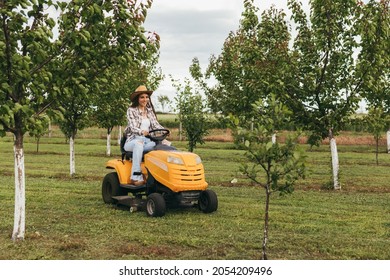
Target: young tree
{"type": "Point", "coordinates": [323, 92]}
{"type": "Point", "coordinates": [40, 129]}
{"type": "Point", "coordinates": [275, 167]}
{"type": "Point", "coordinates": [373, 65]}
{"type": "Point", "coordinates": [164, 101]}
{"type": "Point", "coordinates": [377, 121]}
{"type": "Point", "coordinates": [253, 64]}
{"type": "Point", "coordinates": [191, 110]}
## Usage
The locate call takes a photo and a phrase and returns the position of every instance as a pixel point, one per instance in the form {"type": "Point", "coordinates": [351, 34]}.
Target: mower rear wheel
{"type": "Point", "coordinates": [111, 187]}
{"type": "Point", "coordinates": [155, 205]}
{"type": "Point", "coordinates": [208, 201]}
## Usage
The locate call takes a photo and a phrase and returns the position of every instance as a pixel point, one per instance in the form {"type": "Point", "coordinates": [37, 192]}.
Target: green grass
{"type": "Point", "coordinates": [67, 219]}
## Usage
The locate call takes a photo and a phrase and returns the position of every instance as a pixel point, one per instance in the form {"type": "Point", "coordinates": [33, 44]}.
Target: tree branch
{"type": "Point", "coordinates": [7, 54]}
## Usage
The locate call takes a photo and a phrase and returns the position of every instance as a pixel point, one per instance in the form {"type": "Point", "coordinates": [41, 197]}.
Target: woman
{"type": "Point", "coordinates": [141, 119]}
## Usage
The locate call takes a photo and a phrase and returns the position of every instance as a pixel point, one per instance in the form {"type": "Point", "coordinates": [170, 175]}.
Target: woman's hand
{"type": "Point", "coordinates": [145, 133]}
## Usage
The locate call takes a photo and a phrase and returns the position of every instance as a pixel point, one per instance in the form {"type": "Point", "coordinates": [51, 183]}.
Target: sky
{"type": "Point", "coordinates": [195, 28]}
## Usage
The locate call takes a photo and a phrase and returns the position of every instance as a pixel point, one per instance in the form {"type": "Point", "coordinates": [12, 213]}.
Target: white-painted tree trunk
{"type": "Point", "coordinates": [388, 141]}
{"type": "Point", "coordinates": [335, 163]}
{"type": "Point", "coordinates": [273, 138]}
{"type": "Point", "coordinates": [120, 135]}
{"type": "Point", "coordinates": [20, 194]}
{"type": "Point", "coordinates": [180, 131]}
{"type": "Point", "coordinates": [72, 156]}
{"type": "Point", "coordinates": [108, 144]}
{"type": "Point", "coordinates": [50, 129]}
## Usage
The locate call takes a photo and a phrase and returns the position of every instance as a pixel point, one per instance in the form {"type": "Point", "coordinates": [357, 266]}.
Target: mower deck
{"type": "Point", "coordinates": [134, 203]}
{"type": "Point", "coordinates": [133, 187]}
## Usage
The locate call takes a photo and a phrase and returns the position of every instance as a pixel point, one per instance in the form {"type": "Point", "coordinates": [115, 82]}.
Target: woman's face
{"type": "Point", "coordinates": [143, 99]}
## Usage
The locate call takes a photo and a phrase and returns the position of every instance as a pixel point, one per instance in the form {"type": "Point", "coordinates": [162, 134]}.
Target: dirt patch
{"type": "Point", "coordinates": [345, 138]}
{"type": "Point", "coordinates": [147, 252]}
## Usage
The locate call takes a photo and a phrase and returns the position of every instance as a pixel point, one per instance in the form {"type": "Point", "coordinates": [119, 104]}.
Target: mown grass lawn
{"type": "Point", "coordinates": [67, 219]}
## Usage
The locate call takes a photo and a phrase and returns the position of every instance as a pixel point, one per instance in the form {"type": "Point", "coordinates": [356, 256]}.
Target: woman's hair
{"type": "Point", "coordinates": [135, 103]}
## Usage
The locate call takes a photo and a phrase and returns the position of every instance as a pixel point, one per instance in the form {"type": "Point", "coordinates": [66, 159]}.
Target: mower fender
{"type": "Point", "coordinates": [123, 169]}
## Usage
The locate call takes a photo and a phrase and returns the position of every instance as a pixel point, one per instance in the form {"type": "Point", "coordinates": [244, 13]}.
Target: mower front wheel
{"type": "Point", "coordinates": [111, 187]}
{"type": "Point", "coordinates": [155, 205]}
{"type": "Point", "coordinates": [208, 201]}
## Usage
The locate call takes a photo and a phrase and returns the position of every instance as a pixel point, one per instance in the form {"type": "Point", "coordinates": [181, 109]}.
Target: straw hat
{"type": "Point", "coordinates": [141, 89]}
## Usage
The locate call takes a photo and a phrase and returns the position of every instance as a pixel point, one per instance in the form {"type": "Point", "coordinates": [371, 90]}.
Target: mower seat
{"type": "Point", "coordinates": [126, 154]}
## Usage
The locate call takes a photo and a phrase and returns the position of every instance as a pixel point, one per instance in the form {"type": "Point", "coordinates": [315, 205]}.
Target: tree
{"type": "Point", "coordinates": [40, 129]}
{"type": "Point", "coordinates": [113, 100]}
{"type": "Point", "coordinates": [253, 64]}
{"type": "Point", "coordinates": [377, 121]}
{"type": "Point", "coordinates": [192, 115]}
{"type": "Point", "coordinates": [323, 93]}
{"type": "Point", "coordinates": [275, 167]}
{"type": "Point", "coordinates": [373, 65]}
{"type": "Point", "coordinates": [164, 100]}
{"type": "Point", "coordinates": [104, 36]}
{"type": "Point", "coordinates": [38, 70]}
{"type": "Point", "coordinates": [26, 50]}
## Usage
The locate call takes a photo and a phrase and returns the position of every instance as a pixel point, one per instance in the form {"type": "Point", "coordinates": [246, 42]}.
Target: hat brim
{"type": "Point", "coordinates": [136, 93]}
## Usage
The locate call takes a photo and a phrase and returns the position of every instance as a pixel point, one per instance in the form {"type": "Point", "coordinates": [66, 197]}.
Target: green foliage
{"type": "Point", "coordinates": [92, 67]}
{"type": "Point", "coordinates": [272, 114]}
{"type": "Point", "coordinates": [377, 122]}
{"type": "Point", "coordinates": [253, 64]}
{"type": "Point", "coordinates": [113, 97]}
{"type": "Point", "coordinates": [373, 64]}
{"type": "Point", "coordinates": [191, 113]}
{"type": "Point", "coordinates": [27, 47]}
{"type": "Point", "coordinates": [41, 126]}
{"type": "Point", "coordinates": [323, 93]}
{"type": "Point", "coordinates": [41, 72]}
{"type": "Point", "coordinates": [164, 101]}
{"type": "Point", "coordinates": [275, 166]}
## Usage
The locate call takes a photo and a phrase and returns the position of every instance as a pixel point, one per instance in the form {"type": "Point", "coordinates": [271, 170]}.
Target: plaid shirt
{"type": "Point", "coordinates": [134, 120]}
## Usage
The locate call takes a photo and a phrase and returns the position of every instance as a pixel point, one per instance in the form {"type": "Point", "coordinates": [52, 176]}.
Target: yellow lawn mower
{"type": "Point", "coordinates": [173, 179]}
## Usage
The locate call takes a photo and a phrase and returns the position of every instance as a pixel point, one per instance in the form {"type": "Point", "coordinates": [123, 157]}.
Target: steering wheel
{"type": "Point", "coordinates": [158, 135]}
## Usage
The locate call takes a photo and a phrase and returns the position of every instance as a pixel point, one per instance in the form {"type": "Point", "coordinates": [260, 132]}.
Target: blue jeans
{"type": "Point", "coordinates": [138, 145]}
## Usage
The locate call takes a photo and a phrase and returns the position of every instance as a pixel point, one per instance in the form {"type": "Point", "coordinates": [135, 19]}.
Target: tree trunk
{"type": "Point", "coordinates": [72, 156]}
{"type": "Point", "coordinates": [20, 190]}
{"type": "Point", "coordinates": [50, 130]}
{"type": "Point", "coordinates": [335, 160]}
{"type": "Point", "coordinates": [266, 221]}
{"type": "Point", "coordinates": [377, 150]}
{"type": "Point", "coordinates": [180, 131]}
{"type": "Point", "coordinates": [120, 135]}
{"type": "Point", "coordinates": [273, 138]}
{"type": "Point", "coordinates": [388, 141]}
{"type": "Point", "coordinates": [38, 138]}
{"type": "Point", "coordinates": [108, 153]}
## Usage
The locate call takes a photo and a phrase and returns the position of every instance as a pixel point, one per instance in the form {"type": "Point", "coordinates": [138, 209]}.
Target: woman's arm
{"type": "Point", "coordinates": [133, 120]}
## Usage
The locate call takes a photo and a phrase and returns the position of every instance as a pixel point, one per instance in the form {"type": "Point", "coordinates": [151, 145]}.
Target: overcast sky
{"type": "Point", "coordinates": [194, 28]}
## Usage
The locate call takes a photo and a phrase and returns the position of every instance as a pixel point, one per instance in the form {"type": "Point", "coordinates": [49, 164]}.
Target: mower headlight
{"type": "Point", "coordinates": [198, 160]}
{"type": "Point", "coordinates": [175, 160]}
